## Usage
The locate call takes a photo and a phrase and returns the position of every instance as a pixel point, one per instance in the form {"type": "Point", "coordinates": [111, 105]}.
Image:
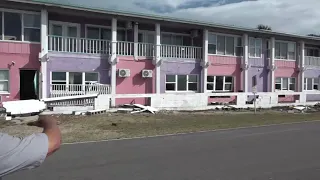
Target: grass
{"type": "Point", "coordinates": [115, 126]}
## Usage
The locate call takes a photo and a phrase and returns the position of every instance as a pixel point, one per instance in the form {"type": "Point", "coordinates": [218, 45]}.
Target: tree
{"type": "Point", "coordinates": [314, 35]}
{"type": "Point", "coordinates": [264, 27]}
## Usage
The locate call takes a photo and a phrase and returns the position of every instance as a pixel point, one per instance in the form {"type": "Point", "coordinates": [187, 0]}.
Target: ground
{"type": "Point", "coordinates": [277, 152]}
{"type": "Point", "coordinates": [116, 125]}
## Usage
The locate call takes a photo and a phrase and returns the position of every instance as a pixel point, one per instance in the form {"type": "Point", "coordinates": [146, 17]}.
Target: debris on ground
{"type": "Point", "coordinates": [136, 108]}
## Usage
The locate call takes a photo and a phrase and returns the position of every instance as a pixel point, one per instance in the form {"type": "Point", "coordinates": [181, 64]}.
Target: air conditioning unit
{"type": "Point", "coordinates": [194, 33]}
{"type": "Point", "coordinates": [146, 73]}
{"type": "Point", "coordinates": [124, 72]}
{"type": "Point", "coordinates": [129, 25]}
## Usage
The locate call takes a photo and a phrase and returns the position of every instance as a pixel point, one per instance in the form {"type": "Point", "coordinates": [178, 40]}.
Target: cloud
{"type": "Point", "coordinates": [293, 16]}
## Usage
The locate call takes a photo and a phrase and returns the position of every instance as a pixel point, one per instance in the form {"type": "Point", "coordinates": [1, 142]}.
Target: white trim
{"type": "Point", "coordinates": [67, 73]}
{"type": "Point", "coordinates": [235, 46]}
{"type": "Point", "coordinates": [8, 80]}
{"type": "Point", "coordinates": [176, 83]}
{"type": "Point", "coordinates": [287, 42]}
{"type": "Point", "coordinates": [174, 33]}
{"type": "Point", "coordinates": [289, 83]}
{"type": "Point", "coordinates": [64, 27]}
{"type": "Point", "coordinates": [305, 88]}
{"type": "Point", "coordinates": [214, 83]}
{"type": "Point", "coordinates": [96, 26]}
{"type": "Point", "coordinates": [157, 52]}
{"type": "Point", "coordinates": [255, 47]}
{"type": "Point", "coordinates": [223, 34]}
{"type": "Point", "coordinates": [19, 11]}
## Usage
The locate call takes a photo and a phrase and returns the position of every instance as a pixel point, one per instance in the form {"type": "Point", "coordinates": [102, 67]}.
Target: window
{"type": "Point", "coordinates": [285, 50]}
{"type": "Point", "coordinates": [182, 83]}
{"type": "Point", "coordinates": [4, 81]}
{"type": "Point", "coordinates": [255, 47]}
{"type": "Point", "coordinates": [314, 52]}
{"type": "Point", "coordinates": [74, 78]}
{"type": "Point", "coordinates": [224, 45]}
{"type": "Point", "coordinates": [175, 39]}
{"type": "Point", "coordinates": [285, 84]}
{"type": "Point", "coordinates": [311, 84]}
{"type": "Point", "coordinates": [17, 26]}
{"type": "Point", "coordinates": [220, 83]}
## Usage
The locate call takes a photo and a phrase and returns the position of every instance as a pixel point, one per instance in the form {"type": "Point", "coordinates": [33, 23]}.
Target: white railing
{"type": "Point", "coordinates": [311, 61]}
{"type": "Point", "coordinates": [174, 51]}
{"type": "Point", "coordinates": [146, 49]}
{"type": "Point", "coordinates": [79, 45]}
{"type": "Point", "coordinates": [125, 48]}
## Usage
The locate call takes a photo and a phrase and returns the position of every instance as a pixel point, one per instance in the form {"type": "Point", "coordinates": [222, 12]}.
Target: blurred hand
{"type": "Point", "coordinates": [44, 121]}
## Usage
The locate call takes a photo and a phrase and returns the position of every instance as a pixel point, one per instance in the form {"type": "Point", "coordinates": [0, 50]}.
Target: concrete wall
{"type": "Point", "coordinates": [25, 56]}
{"type": "Point", "coordinates": [135, 84]}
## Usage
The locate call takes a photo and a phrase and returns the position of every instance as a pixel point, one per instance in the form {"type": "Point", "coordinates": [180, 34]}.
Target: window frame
{"type": "Point", "coordinates": [235, 44]}
{"type": "Point", "coordinates": [288, 86]}
{"type": "Point", "coordinates": [255, 47]}
{"type": "Point", "coordinates": [287, 58]}
{"type": "Point", "coordinates": [6, 92]}
{"type": "Point", "coordinates": [64, 27]}
{"type": "Point", "coordinates": [68, 76]}
{"type": "Point", "coordinates": [21, 12]}
{"type": "Point", "coordinates": [305, 85]}
{"type": "Point", "coordinates": [312, 48]}
{"type": "Point", "coordinates": [104, 27]}
{"type": "Point", "coordinates": [176, 83]}
{"type": "Point", "coordinates": [174, 34]}
{"type": "Point", "coordinates": [214, 83]}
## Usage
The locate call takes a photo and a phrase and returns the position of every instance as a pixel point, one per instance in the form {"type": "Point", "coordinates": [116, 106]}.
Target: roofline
{"type": "Point", "coordinates": [170, 19]}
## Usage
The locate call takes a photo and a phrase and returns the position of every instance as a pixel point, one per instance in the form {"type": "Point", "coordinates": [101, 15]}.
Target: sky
{"type": "Point", "coordinates": [291, 16]}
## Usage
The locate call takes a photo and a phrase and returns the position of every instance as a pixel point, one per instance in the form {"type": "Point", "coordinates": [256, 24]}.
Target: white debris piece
{"type": "Point", "coordinates": [137, 108]}
{"type": "Point", "coordinates": [300, 108]}
{"type": "Point", "coordinates": [24, 107]}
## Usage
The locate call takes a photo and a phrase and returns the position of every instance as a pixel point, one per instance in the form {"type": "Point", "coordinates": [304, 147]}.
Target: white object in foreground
{"type": "Point", "coordinates": [24, 107]}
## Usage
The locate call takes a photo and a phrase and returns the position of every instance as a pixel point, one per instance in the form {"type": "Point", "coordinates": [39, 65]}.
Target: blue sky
{"type": "Point", "coordinates": [293, 16]}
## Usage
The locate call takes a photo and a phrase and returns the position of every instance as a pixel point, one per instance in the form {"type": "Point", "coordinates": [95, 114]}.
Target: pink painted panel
{"type": "Point", "coordinates": [288, 99]}
{"type": "Point", "coordinates": [225, 66]}
{"type": "Point", "coordinates": [25, 56]}
{"type": "Point", "coordinates": [135, 84]}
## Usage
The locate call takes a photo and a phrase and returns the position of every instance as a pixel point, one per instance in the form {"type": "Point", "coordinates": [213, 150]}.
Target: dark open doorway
{"type": "Point", "coordinates": [28, 84]}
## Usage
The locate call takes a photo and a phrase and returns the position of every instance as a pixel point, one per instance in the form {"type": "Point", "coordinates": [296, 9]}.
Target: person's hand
{"type": "Point", "coordinates": [44, 121]}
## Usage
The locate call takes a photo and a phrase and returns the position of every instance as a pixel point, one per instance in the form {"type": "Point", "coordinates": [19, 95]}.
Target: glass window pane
{"type": "Point", "coordinates": [166, 39]}
{"type": "Point", "coordinates": [293, 80]}
{"type": "Point", "coordinates": [182, 82]}
{"type": "Point", "coordinates": [72, 31]}
{"type": "Point", "coordinates": [91, 77]}
{"type": "Point", "coordinates": [121, 35]}
{"type": "Point", "coordinates": [210, 78]}
{"type": "Point", "coordinates": [285, 83]}
{"type": "Point", "coordinates": [0, 26]}
{"type": "Point", "coordinates": [258, 43]}
{"type": "Point", "coordinates": [212, 49]}
{"type": "Point", "coordinates": [210, 86]}
{"type": "Point", "coordinates": [31, 20]}
{"type": "Point", "coordinates": [316, 87]}
{"type": "Point", "coordinates": [106, 34]}
{"type": "Point", "coordinates": [193, 86]}
{"type": "Point", "coordinates": [239, 41]}
{"type": "Point", "coordinates": [278, 86]}
{"type": "Point", "coordinates": [228, 87]}
{"type": "Point", "coordinates": [292, 87]}
{"type": "Point", "coordinates": [60, 76]}
{"type": "Point", "coordinates": [230, 45]}
{"type": "Point", "coordinates": [291, 47]}
{"type": "Point", "coordinates": [283, 50]}
{"type": "Point", "coordinates": [170, 86]}
{"type": "Point", "coordinates": [12, 26]}
{"type": "Point", "coordinates": [33, 35]}
{"type": "Point", "coordinates": [193, 78]}
{"type": "Point", "coordinates": [4, 86]}
{"type": "Point", "coordinates": [277, 49]}
{"type": "Point", "coordinates": [309, 84]}
{"type": "Point", "coordinates": [219, 83]}
{"type": "Point", "coordinates": [221, 45]}
{"type": "Point", "coordinates": [93, 33]}
{"type": "Point", "coordinates": [75, 78]}
{"type": "Point", "coordinates": [4, 75]}
{"type": "Point", "coordinates": [278, 80]}
{"type": "Point", "coordinates": [170, 78]}
{"type": "Point", "coordinates": [177, 40]}
{"type": "Point", "coordinates": [56, 30]}
{"type": "Point", "coordinates": [252, 42]}
{"type": "Point", "coordinates": [316, 80]}
{"type": "Point", "coordinates": [252, 52]}
{"type": "Point", "coordinates": [212, 39]}
{"type": "Point", "coordinates": [228, 79]}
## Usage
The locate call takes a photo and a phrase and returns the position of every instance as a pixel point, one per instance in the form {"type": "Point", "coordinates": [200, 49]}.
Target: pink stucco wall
{"type": "Point", "coordinates": [225, 66]}
{"type": "Point", "coordinates": [135, 84]}
{"type": "Point", "coordinates": [287, 69]}
{"type": "Point", "coordinates": [25, 56]}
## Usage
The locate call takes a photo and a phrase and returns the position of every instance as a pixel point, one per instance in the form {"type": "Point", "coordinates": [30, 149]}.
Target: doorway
{"type": "Point", "coordinates": [29, 84]}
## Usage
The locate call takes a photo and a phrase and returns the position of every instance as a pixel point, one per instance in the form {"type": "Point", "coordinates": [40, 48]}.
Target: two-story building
{"type": "Point", "coordinates": [51, 50]}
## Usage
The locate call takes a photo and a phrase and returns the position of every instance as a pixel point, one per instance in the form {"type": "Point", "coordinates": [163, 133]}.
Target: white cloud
{"type": "Point", "coordinates": [293, 16]}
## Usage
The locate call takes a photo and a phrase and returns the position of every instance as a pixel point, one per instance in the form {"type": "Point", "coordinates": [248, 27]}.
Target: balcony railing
{"type": "Point", "coordinates": [125, 48]}
{"type": "Point", "coordinates": [61, 90]}
{"type": "Point", "coordinates": [146, 49]}
{"type": "Point", "coordinates": [311, 61]}
{"type": "Point", "coordinates": [79, 45]}
{"type": "Point", "coordinates": [188, 52]}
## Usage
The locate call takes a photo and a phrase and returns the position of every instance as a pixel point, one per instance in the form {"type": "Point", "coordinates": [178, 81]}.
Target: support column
{"type": "Point", "coordinates": [43, 56]}
{"type": "Point", "coordinates": [157, 60]}
{"type": "Point", "coordinates": [301, 65]}
{"type": "Point", "coordinates": [204, 63]}
{"type": "Point", "coordinates": [135, 40]}
{"type": "Point", "coordinates": [245, 62]}
{"type": "Point", "coordinates": [272, 64]}
{"type": "Point", "coordinates": [113, 60]}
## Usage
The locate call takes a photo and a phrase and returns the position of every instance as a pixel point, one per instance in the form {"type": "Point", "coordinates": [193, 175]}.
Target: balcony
{"type": "Point", "coordinates": [124, 48]}
{"type": "Point", "coordinates": [61, 90]}
{"type": "Point", "coordinates": [311, 61]}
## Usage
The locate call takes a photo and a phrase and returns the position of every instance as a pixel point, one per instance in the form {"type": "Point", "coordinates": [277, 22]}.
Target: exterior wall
{"type": "Point", "coordinates": [178, 67]}
{"type": "Point", "coordinates": [135, 84]}
{"type": "Point", "coordinates": [225, 66]}
{"type": "Point", "coordinates": [312, 73]}
{"type": "Point", "coordinates": [287, 69]}
{"type": "Point", "coordinates": [68, 62]}
{"type": "Point", "coordinates": [25, 56]}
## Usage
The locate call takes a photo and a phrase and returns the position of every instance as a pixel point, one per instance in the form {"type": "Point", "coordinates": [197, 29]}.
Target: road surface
{"type": "Point", "coordinates": [281, 152]}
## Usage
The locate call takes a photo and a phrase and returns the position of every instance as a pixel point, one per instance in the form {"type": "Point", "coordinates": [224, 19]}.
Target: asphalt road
{"type": "Point", "coordinates": [282, 152]}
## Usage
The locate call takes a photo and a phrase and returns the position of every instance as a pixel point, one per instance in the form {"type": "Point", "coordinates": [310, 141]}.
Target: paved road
{"type": "Point", "coordinates": [284, 152]}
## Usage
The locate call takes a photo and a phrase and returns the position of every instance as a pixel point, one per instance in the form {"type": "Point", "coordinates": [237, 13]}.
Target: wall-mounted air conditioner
{"type": "Point", "coordinates": [124, 72]}
{"type": "Point", "coordinates": [146, 73]}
